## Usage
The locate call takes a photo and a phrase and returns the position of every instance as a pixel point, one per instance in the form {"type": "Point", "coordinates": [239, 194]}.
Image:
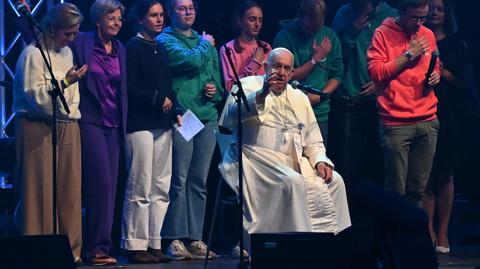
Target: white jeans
{"type": "Point", "coordinates": [149, 163]}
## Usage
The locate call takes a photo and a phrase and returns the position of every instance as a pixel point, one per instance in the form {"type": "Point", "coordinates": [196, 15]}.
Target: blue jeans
{"type": "Point", "coordinates": [188, 192]}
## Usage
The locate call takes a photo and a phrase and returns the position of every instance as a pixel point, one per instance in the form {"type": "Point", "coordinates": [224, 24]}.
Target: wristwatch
{"type": "Point", "coordinates": [408, 55]}
{"type": "Point", "coordinates": [314, 62]}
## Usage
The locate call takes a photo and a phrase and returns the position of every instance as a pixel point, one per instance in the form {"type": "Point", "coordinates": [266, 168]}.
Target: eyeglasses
{"type": "Point", "coordinates": [418, 19]}
{"type": "Point", "coordinates": [113, 19]}
{"type": "Point", "coordinates": [184, 9]}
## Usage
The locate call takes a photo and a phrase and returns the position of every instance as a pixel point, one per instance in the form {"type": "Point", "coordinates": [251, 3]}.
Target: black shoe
{"type": "Point", "coordinates": [101, 259]}
{"type": "Point", "coordinates": [159, 254]}
{"type": "Point", "coordinates": [141, 256]}
{"type": "Point", "coordinates": [77, 261]}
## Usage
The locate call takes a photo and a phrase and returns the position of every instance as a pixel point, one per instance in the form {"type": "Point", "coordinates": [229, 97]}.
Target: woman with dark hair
{"type": "Point", "coordinates": [248, 53]}
{"type": "Point", "coordinates": [149, 136]}
{"type": "Point", "coordinates": [103, 104]}
{"type": "Point", "coordinates": [33, 134]}
{"type": "Point", "coordinates": [451, 96]}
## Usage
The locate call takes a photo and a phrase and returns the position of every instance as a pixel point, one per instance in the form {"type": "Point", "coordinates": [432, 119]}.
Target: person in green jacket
{"type": "Point", "coordinates": [196, 82]}
{"type": "Point", "coordinates": [354, 118]}
{"type": "Point", "coordinates": [318, 56]}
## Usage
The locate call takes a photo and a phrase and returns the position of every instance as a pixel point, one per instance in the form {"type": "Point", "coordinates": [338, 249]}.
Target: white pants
{"type": "Point", "coordinates": [149, 163]}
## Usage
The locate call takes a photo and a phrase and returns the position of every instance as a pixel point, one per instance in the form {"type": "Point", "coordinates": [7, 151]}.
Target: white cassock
{"type": "Point", "coordinates": [281, 145]}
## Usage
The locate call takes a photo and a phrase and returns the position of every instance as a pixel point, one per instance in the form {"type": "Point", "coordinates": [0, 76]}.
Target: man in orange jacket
{"type": "Point", "coordinates": [398, 60]}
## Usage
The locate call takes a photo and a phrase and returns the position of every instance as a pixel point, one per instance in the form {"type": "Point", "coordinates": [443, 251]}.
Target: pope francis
{"type": "Point", "coordinates": [289, 183]}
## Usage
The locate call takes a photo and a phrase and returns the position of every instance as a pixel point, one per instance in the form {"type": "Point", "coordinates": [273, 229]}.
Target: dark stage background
{"type": "Point", "coordinates": [215, 17]}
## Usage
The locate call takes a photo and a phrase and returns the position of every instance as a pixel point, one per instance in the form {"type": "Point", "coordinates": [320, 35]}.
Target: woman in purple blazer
{"type": "Point", "coordinates": [103, 104]}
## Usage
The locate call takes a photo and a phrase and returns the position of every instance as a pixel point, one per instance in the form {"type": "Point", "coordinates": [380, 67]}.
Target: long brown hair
{"type": "Point", "coordinates": [240, 11]}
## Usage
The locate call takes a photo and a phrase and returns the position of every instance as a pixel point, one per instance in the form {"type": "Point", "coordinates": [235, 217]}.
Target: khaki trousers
{"type": "Point", "coordinates": [408, 151]}
{"type": "Point", "coordinates": [34, 179]}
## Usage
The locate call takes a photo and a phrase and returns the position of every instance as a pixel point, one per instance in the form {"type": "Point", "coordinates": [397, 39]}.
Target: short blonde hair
{"type": "Point", "coordinates": [100, 8]}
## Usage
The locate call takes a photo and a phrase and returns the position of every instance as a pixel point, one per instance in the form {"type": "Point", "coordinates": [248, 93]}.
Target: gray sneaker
{"type": "Point", "coordinates": [177, 251]}
{"type": "Point", "coordinates": [198, 249]}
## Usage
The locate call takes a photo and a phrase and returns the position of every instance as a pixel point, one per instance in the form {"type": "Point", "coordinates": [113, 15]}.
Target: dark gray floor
{"type": "Point", "coordinates": [464, 235]}
{"type": "Point", "coordinates": [461, 257]}
{"type": "Point", "coordinates": [219, 263]}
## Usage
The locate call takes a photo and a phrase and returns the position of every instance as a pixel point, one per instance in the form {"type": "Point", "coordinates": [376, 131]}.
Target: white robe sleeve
{"type": "Point", "coordinates": [250, 85]}
{"type": "Point", "coordinates": [313, 148]}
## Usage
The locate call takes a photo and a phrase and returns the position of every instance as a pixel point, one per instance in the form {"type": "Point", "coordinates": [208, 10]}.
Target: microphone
{"type": "Point", "coordinates": [297, 85]}
{"type": "Point", "coordinates": [431, 66]}
{"type": "Point", "coordinates": [25, 12]}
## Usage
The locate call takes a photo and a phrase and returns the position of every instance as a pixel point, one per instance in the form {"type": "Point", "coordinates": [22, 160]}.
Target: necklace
{"type": "Point", "coordinates": [152, 43]}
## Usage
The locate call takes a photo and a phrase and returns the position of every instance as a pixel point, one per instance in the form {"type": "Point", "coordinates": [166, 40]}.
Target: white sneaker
{"type": "Point", "coordinates": [442, 250]}
{"type": "Point", "coordinates": [198, 250]}
{"type": "Point", "coordinates": [177, 251]}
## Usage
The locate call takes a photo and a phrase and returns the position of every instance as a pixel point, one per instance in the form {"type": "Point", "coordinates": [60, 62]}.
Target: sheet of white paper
{"type": "Point", "coordinates": [191, 125]}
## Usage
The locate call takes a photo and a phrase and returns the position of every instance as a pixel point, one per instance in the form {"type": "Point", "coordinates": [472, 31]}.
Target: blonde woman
{"type": "Point", "coordinates": [33, 107]}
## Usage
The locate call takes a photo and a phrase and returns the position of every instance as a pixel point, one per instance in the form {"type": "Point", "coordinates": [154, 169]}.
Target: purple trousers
{"type": "Point", "coordinates": [100, 161]}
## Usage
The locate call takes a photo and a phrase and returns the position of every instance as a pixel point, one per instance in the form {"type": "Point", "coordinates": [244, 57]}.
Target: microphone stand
{"type": "Point", "coordinates": [54, 93]}
{"type": "Point", "coordinates": [239, 98]}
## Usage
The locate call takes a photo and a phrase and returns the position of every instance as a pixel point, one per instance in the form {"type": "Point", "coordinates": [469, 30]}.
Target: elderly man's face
{"type": "Point", "coordinates": [281, 65]}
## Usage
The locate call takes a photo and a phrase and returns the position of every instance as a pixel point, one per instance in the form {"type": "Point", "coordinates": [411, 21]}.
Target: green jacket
{"type": "Point", "coordinates": [193, 64]}
{"type": "Point", "coordinates": [293, 38]}
{"type": "Point", "coordinates": [355, 44]}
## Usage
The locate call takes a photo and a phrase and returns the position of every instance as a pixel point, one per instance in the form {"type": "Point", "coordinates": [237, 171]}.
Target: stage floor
{"type": "Point", "coordinates": [461, 257]}
{"type": "Point", "coordinates": [219, 263]}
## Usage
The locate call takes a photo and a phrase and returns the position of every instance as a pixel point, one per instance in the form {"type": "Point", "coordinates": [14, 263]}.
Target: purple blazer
{"type": "Point", "coordinates": [90, 107]}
